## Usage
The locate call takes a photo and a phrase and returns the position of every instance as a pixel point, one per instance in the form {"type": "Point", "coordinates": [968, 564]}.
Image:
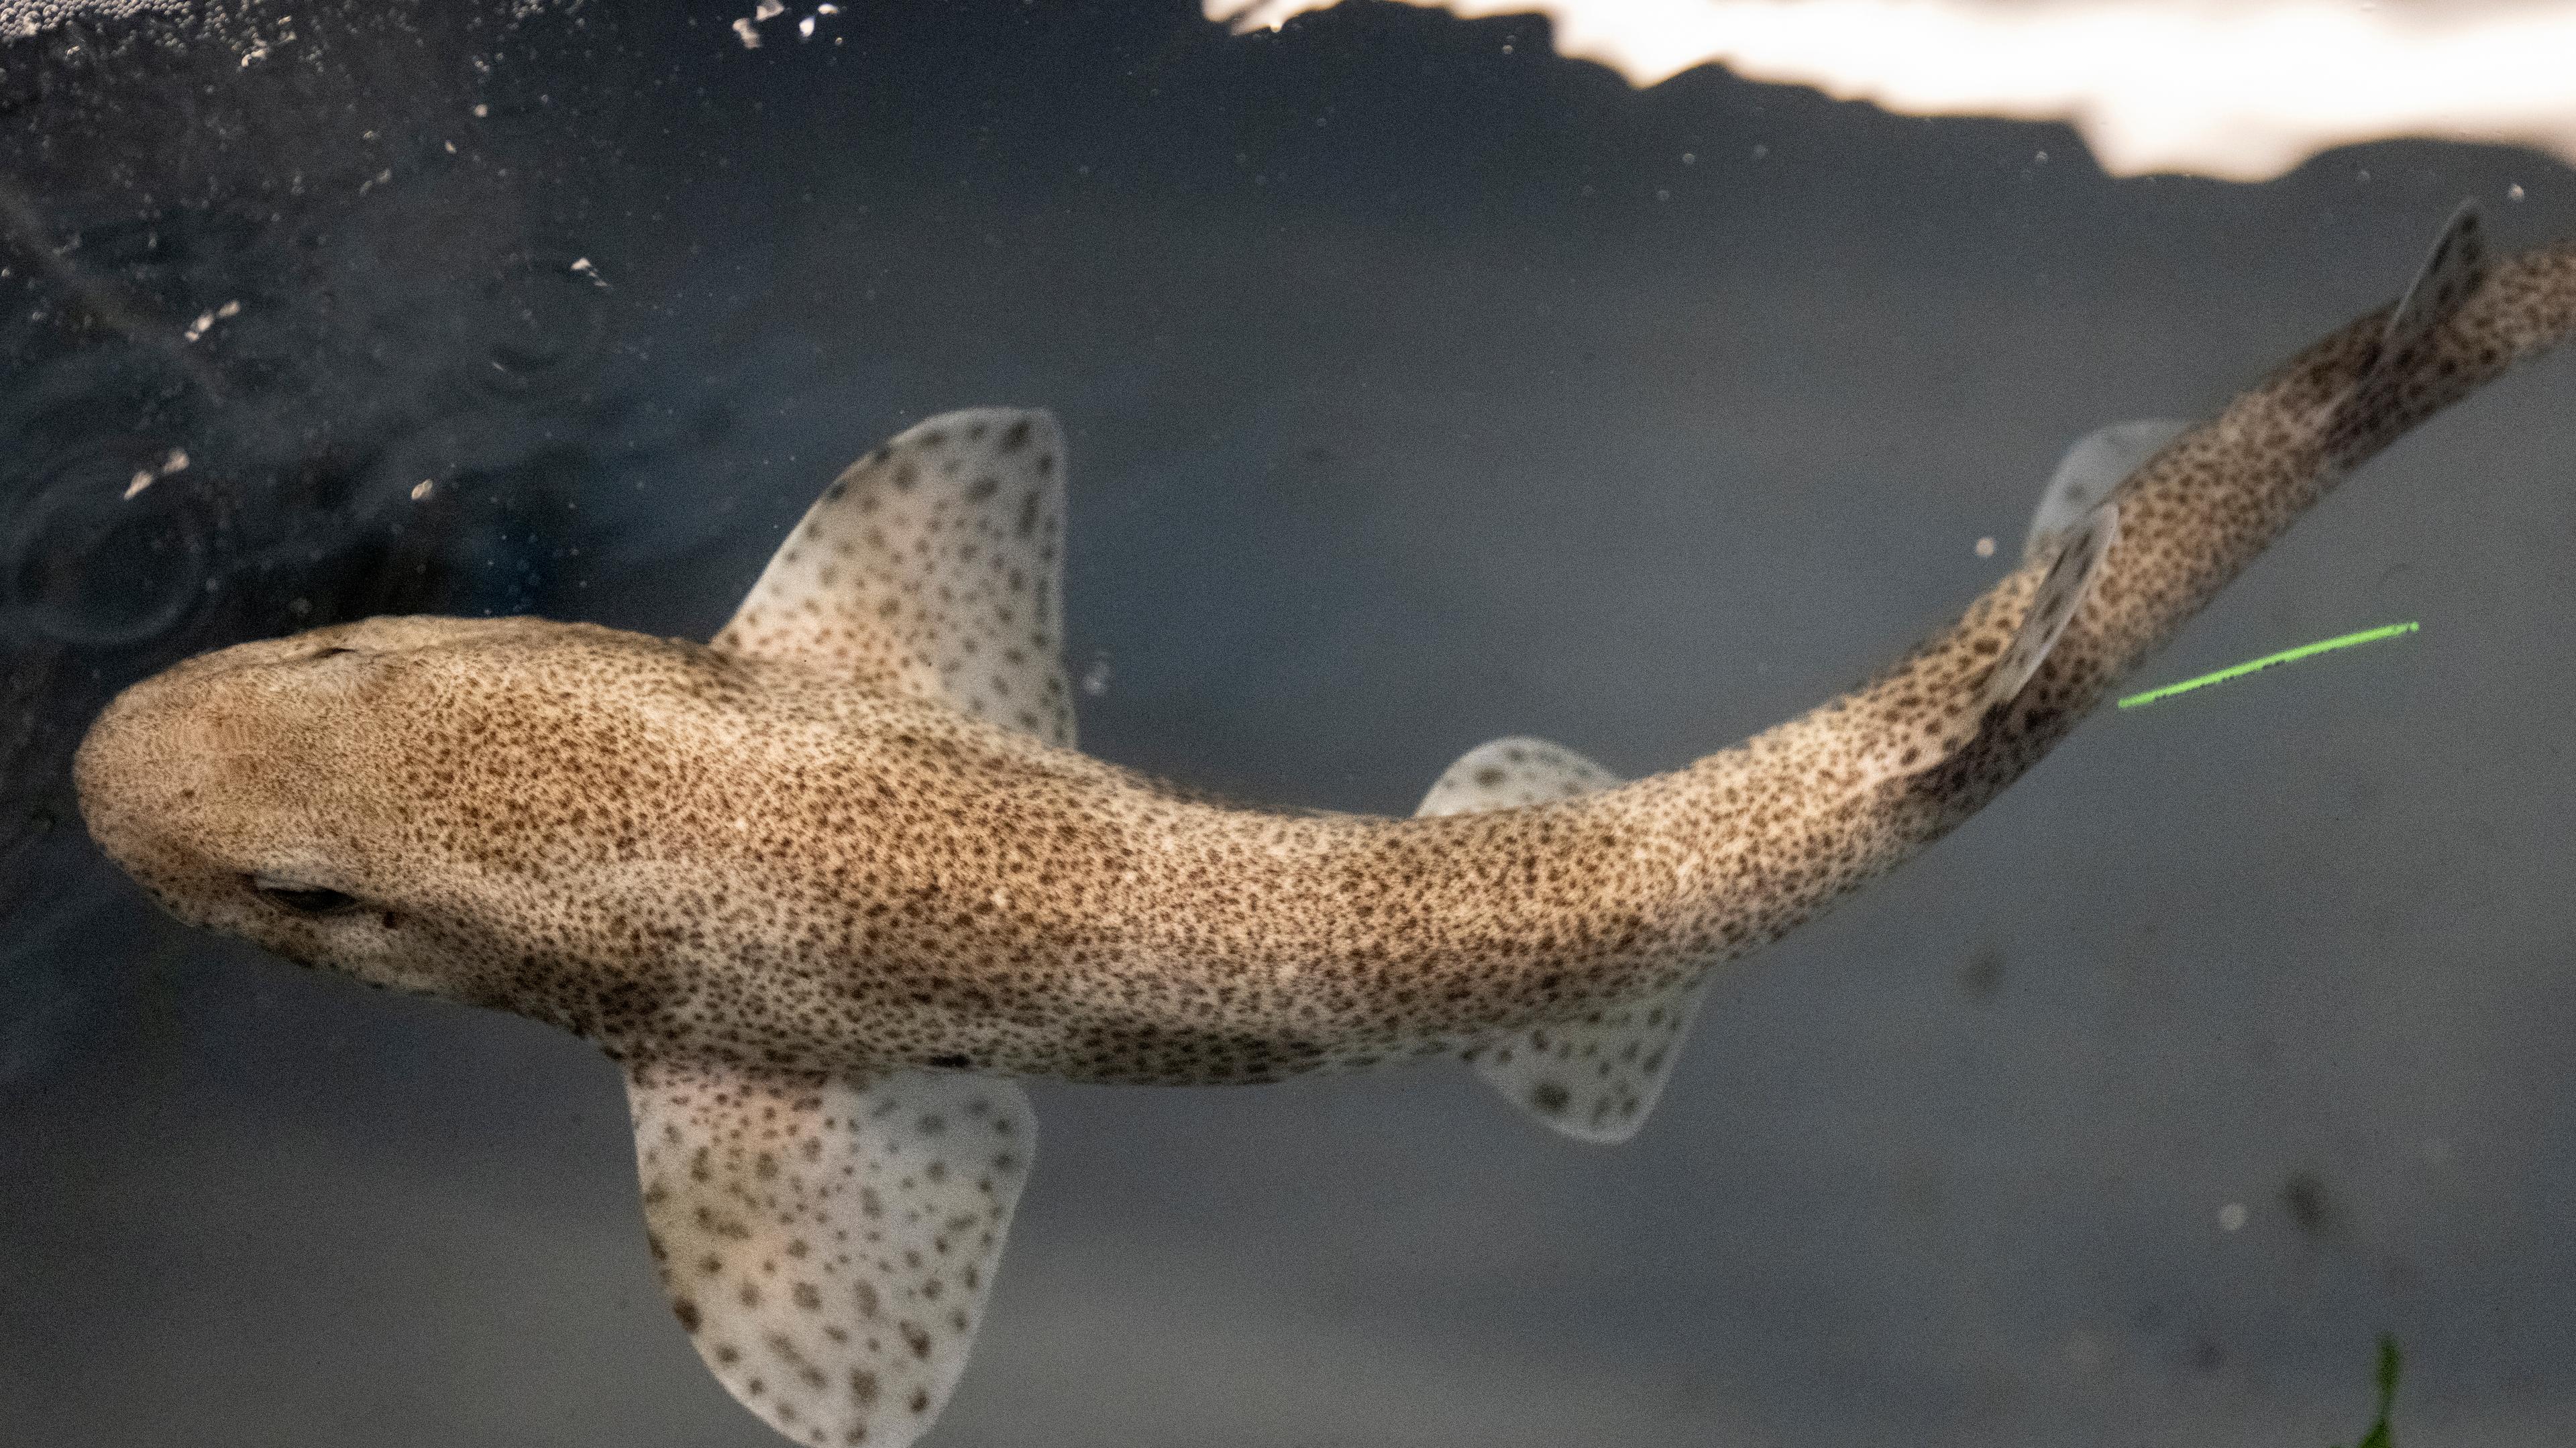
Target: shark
{"type": "Point", "coordinates": [830, 885]}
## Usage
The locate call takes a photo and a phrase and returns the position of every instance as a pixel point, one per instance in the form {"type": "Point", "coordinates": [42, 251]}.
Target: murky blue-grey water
{"type": "Point", "coordinates": [1422, 388]}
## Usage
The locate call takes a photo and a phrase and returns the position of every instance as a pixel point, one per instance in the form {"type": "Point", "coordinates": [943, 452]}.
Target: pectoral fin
{"type": "Point", "coordinates": [933, 566]}
{"type": "Point", "coordinates": [829, 1244]}
{"type": "Point", "coordinates": [1596, 1077]}
{"type": "Point", "coordinates": [2094, 464]}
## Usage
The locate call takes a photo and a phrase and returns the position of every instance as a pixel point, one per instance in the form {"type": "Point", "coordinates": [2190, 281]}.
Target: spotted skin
{"type": "Point", "coordinates": [1596, 1077]}
{"type": "Point", "coordinates": [829, 1244]}
{"type": "Point", "coordinates": [930, 568]}
{"type": "Point", "coordinates": [2092, 466]}
{"type": "Point", "coordinates": [791, 858]}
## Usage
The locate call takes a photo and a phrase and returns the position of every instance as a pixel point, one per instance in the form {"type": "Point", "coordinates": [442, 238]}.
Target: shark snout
{"type": "Point", "coordinates": [142, 766]}
{"type": "Point", "coordinates": [183, 772]}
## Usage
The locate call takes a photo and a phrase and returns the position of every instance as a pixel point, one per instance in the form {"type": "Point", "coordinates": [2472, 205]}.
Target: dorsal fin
{"type": "Point", "coordinates": [1594, 1078]}
{"type": "Point", "coordinates": [2093, 465]}
{"type": "Point", "coordinates": [933, 567]}
{"type": "Point", "coordinates": [829, 1245]}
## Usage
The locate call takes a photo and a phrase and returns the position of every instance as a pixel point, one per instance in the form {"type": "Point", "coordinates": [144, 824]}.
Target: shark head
{"type": "Point", "coordinates": [652, 843]}
{"type": "Point", "coordinates": [317, 794]}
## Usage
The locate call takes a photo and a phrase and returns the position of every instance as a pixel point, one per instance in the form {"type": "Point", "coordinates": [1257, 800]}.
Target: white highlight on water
{"type": "Point", "coordinates": [2239, 89]}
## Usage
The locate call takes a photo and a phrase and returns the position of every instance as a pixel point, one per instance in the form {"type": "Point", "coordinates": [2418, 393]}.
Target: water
{"type": "Point", "coordinates": [1419, 391]}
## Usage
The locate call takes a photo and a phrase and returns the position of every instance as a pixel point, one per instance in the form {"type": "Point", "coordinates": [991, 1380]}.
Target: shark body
{"type": "Point", "coordinates": [826, 884]}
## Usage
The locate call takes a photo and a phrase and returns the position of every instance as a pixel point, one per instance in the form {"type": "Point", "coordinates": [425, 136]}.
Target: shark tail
{"type": "Point", "coordinates": [2410, 375]}
{"type": "Point", "coordinates": [2192, 510]}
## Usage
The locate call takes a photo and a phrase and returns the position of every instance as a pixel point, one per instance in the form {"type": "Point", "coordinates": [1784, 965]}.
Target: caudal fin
{"type": "Point", "coordinates": [1594, 1077]}
{"type": "Point", "coordinates": [2451, 271]}
{"type": "Point", "coordinates": [2412, 374]}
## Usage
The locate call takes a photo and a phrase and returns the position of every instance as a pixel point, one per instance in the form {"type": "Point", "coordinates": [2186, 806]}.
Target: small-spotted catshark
{"type": "Point", "coordinates": [826, 885]}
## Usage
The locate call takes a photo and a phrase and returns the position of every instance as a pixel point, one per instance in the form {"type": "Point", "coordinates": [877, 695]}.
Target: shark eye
{"type": "Point", "coordinates": [302, 899]}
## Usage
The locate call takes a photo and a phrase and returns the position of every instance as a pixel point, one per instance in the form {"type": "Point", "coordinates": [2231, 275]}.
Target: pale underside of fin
{"type": "Point", "coordinates": [829, 1244]}
{"type": "Point", "coordinates": [933, 567]}
{"type": "Point", "coordinates": [1595, 1078]}
{"type": "Point", "coordinates": [2093, 465]}
{"type": "Point", "coordinates": [2053, 605]}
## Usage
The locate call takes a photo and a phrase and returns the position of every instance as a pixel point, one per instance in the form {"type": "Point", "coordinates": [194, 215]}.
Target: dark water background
{"type": "Point", "coordinates": [1422, 387]}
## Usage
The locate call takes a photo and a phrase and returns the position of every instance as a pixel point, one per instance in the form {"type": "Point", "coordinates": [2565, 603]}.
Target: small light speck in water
{"type": "Point", "coordinates": [206, 320]}
{"type": "Point", "coordinates": [750, 37]}
{"type": "Point", "coordinates": [422, 489]}
{"type": "Point", "coordinates": [1985, 547]}
{"type": "Point", "coordinates": [176, 462]}
{"type": "Point", "coordinates": [2231, 1218]}
{"type": "Point", "coordinates": [1095, 679]}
